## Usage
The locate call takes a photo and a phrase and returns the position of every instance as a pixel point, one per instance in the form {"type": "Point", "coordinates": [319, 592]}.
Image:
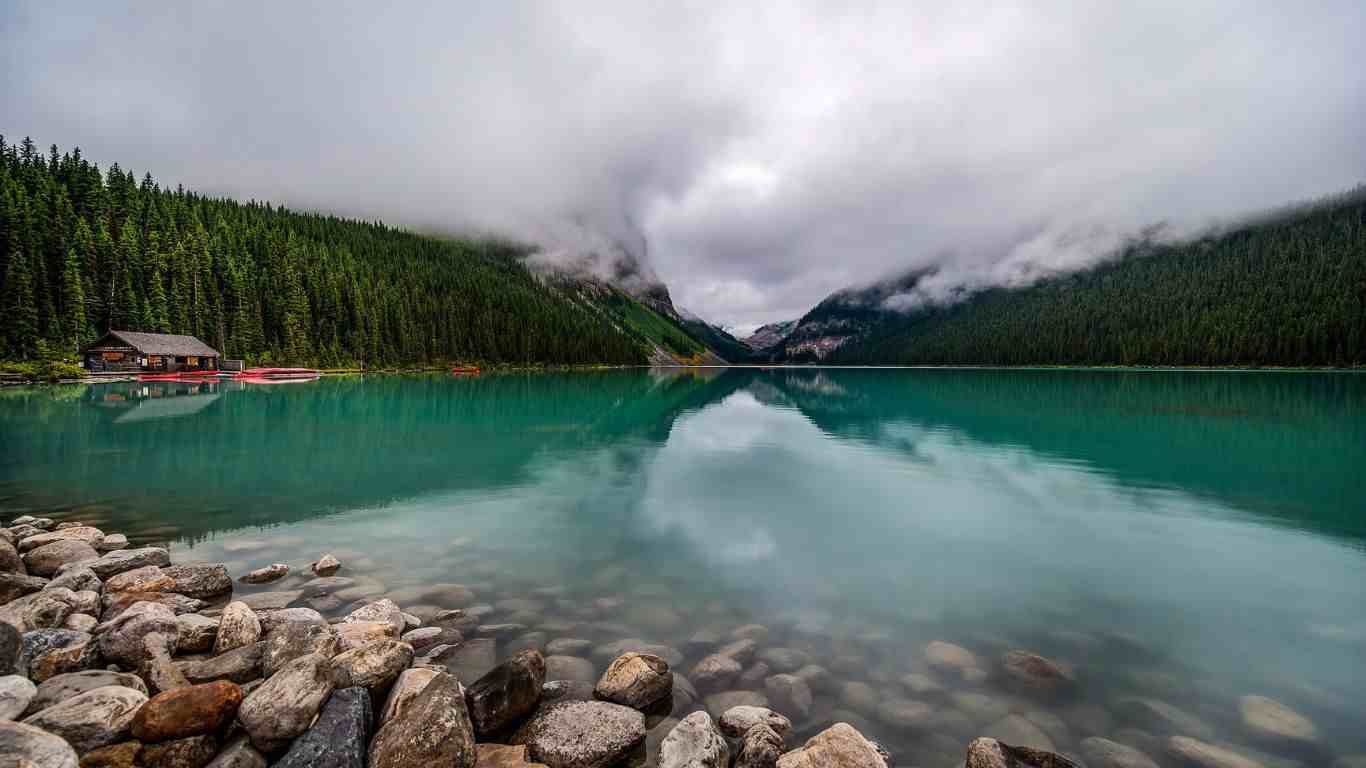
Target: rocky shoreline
{"type": "Point", "coordinates": [114, 656]}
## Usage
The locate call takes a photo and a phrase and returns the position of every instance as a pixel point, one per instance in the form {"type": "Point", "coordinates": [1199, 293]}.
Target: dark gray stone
{"type": "Point", "coordinates": [338, 738]}
{"type": "Point", "coordinates": [508, 693]}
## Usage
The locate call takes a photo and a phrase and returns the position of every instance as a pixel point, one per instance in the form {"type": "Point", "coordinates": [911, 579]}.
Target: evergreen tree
{"type": "Point", "coordinates": [17, 310]}
{"type": "Point", "coordinates": [75, 331]}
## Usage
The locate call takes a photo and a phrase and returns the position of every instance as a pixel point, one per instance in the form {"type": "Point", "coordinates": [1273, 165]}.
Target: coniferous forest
{"type": "Point", "coordinates": [1286, 290]}
{"type": "Point", "coordinates": [84, 250]}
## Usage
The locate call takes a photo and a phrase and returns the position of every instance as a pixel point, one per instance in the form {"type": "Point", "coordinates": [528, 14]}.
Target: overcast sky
{"type": "Point", "coordinates": [769, 153]}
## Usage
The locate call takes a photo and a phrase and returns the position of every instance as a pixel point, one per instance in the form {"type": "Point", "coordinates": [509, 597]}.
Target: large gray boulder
{"type": "Point", "coordinates": [372, 666]}
{"type": "Point", "coordinates": [92, 719]}
{"type": "Point", "coordinates": [45, 560]}
{"type": "Point", "coordinates": [55, 690]}
{"type": "Point", "coordinates": [284, 706]}
{"type": "Point", "coordinates": [694, 743]}
{"type": "Point", "coordinates": [121, 640]}
{"type": "Point", "coordinates": [338, 738]}
{"type": "Point", "coordinates": [582, 734]}
{"type": "Point", "coordinates": [290, 640]}
{"type": "Point", "coordinates": [116, 562]}
{"type": "Point", "coordinates": [84, 533]}
{"type": "Point", "coordinates": [434, 729]}
{"type": "Point", "coordinates": [195, 633]}
{"type": "Point", "coordinates": [34, 747]}
{"type": "Point", "coordinates": [201, 580]}
{"type": "Point", "coordinates": [508, 693]}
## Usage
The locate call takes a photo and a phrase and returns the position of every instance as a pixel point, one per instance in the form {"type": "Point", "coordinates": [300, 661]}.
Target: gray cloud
{"type": "Point", "coordinates": [769, 153]}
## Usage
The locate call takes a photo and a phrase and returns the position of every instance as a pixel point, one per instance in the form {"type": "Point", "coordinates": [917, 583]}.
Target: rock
{"type": "Point", "coordinates": [790, 694]}
{"type": "Point", "coordinates": [990, 753]}
{"type": "Point", "coordinates": [384, 610]}
{"type": "Point", "coordinates": [284, 706]}
{"type": "Point", "coordinates": [157, 668]}
{"type": "Point", "coordinates": [694, 743]}
{"type": "Point", "coordinates": [1205, 755]}
{"type": "Point", "coordinates": [290, 641]}
{"type": "Point", "coordinates": [185, 712]}
{"type": "Point", "coordinates": [718, 704]}
{"type": "Point", "coordinates": [200, 580]}
{"type": "Point", "coordinates": [741, 650]}
{"type": "Point", "coordinates": [191, 752]}
{"type": "Point", "coordinates": [503, 756]}
{"type": "Point", "coordinates": [1103, 753]}
{"type": "Point", "coordinates": [508, 693]}
{"type": "Point", "coordinates": [760, 748]}
{"type": "Point", "coordinates": [1269, 719]}
{"type": "Point", "coordinates": [125, 754]}
{"type": "Point", "coordinates": [1164, 717]}
{"type": "Point", "coordinates": [470, 661]}
{"type": "Point", "coordinates": [240, 666]}
{"type": "Point", "coordinates": [46, 609]}
{"type": "Point", "coordinates": [784, 659]}
{"type": "Point", "coordinates": [859, 696]}
{"type": "Point", "coordinates": [121, 640]}
{"type": "Point", "coordinates": [326, 565]}
{"type": "Point", "coordinates": [1017, 731]}
{"type": "Point", "coordinates": [433, 729]}
{"type": "Point", "coordinates": [24, 746]}
{"type": "Point", "coordinates": [354, 634]}
{"type": "Point", "coordinates": [267, 601]}
{"type": "Point", "coordinates": [570, 668]}
{"type": "Point", "coordinates": [426, 637]}
{"type": "Point", "coordinates": [715, 672]}
{"type": "Point", "coordinates": [1033, 672]}
{"type": "Point", "coordinates": [10, 561]}
{"type": "Point", "coordinates": [817, 677]}
{"type": "Point", "coordinates": [338, 738]}
{"type": "Point", "coordinates": [55, 690]}
{"type": "Point", "coordinates": [273, 618]}
{"type": "Point", "coordinates": [50, 652]}
{"type": "Point", "coordinates": [238, 627]}
{"type": "Point", "coordinates": [409, 684]}
{"type": "Point", "coordinates": [77, 579]}
{"type": "Point", "coordinates": [238, 753]}
{"type": "Point", "coordinates": [15, 585]}
{"type": "Point", "coordinates": [16, 693]}
{"type": "Point", "coordinates": [92, 719]}
{"type": "Point", "coordinates": [149, 578]}
{"type": "Point", "coordinates": [115, 603]}
{"type": "Point", "coordinates": [122, 560]}
{"type": "Point", "coordinates": [582, 734]}
{"type": "Point", "coordinates": [950, 657]}
{"type": "Point", "coordinates": [82, 533]}
{"type": "Point", "coordinates": [979, 706]}
{"type": "Point", "coordinates": [839, 746]}
{"type": "Point", "coordinates": [373, 665]}
{"type": "Point", "coordinates": [566, 690]}
{"type": "Point", "coordinates": [11, 647]}
{"type": "Point", "coordinates": [567, 646]}
{"type": "Point", "coordinates": [195, 633]}
{"type": "Point", "coordinates": [636, 680]}
{"type": "Point", "coordinates": [80, 622]}
{"type": "Point", "coordinates": [45, 560]}
{"type": "Point", "coordinates": [112, 542]}
{"type": "Point", "coordinates": [272, 572]}
{"type": "Point", "coordinates": [905, 714]}
{"type": "Point", "coordinates": [737, 720]}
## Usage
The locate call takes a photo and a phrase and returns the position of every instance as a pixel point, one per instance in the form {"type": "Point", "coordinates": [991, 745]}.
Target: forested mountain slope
{"type": "Point", "coordinates": [1288, 289]}
{"type": "Point", "coordinates": [82, 251]}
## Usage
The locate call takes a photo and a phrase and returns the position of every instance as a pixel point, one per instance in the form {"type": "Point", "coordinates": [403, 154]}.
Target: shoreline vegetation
{"type": "Point", "coordinates": [112, 655]}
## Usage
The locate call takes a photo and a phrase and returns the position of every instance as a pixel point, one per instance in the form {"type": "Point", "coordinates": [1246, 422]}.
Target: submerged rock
{"type": "Point", "coordinates": [990, 753]}
{"type": "Point", "coordinates": [694, 743]}
{"type": "Point", "coordinates": [92, 719]}
{"type": "Point", "coordinates": [570, 668]}
{"type": "Point", "coordinates": [1103, 753]}
{"type": "Point", "coordinates": [1199, 753]}
{"type": "Point", "coordinates": [284, 706]}
{"type": "Point", "coordinates": [582, 734]}
{"type": "Point", "coordinates": [471, 660]}
{"type": "Point", "coordinates": [29, 746]}
{"type": "Point", "coordinates": [508, 693]}
{"type": "Point", "coordinates": [953, 658]}
{"type": "Point", "coordinates": [1036, 673]}
{"type": "Point", "coordinates": [1016, 730]}
{"type": "Point", "coordinates": [272, 572]}
{"type": "Point", "coordinates": [636, 680]}
{"type": "Point", "coordinates": [790, 694]}
{"type": "Point", "coordinates": [1269, 719]}
{"type": "Point", "coordinates": [434, 729]}
{"type": "Point", "coordinates": [839, 746]}
{"type": "Point", "coordinates": [326, 565]}
{"type": "Point", "coordinates": [338, 738]}
{"type": "Point", "coordinates": [715, 672]}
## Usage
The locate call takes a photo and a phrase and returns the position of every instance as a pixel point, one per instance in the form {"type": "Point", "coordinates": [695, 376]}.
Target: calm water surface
{"type": "Point", "coordinates": [1180, 539]}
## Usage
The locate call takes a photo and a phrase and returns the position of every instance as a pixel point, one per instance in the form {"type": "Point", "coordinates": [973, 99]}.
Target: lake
{"type": "Point", "coordinates": [1174, 541]}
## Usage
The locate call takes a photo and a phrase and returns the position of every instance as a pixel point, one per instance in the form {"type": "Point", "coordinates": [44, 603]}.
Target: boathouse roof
{"type": "Point", "coordinates": [159, 344]}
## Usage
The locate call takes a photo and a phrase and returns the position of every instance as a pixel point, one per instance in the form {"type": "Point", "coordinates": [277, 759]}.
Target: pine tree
{"type": "Point", "coordinates": [75, 331]}
{"type": "Point", "coordinates": [18, 314]}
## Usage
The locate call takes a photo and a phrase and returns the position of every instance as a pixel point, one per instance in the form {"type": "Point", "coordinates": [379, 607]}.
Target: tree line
{"type": "Point", "coordinates": [84, 251]}
{"type": "Point", "coordinates": [1286, 290]}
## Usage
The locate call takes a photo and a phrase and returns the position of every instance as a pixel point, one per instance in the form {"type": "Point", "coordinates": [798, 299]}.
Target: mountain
{"type": "Point", "coordinates": [1284, 289]}
{"type": "Point", "coordinates": [768, 336]}
{"type": "Point", "coordinates": [718, 339]}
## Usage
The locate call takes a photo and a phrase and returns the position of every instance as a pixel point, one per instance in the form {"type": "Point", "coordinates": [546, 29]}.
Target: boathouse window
{"type": "Point", "coordinates": [113, 356]}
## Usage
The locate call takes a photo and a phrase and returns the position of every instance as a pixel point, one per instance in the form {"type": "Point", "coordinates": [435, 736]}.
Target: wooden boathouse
{"type": "Point", "coordinates": [149, 353]}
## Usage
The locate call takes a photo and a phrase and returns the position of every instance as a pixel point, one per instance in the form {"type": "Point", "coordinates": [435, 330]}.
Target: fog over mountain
{"type": "Point", "coordinates": [755, 157]}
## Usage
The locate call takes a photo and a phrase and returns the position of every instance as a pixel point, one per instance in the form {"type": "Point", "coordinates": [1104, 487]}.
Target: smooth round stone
{"type": "Point", "coordinates": [568, 646]}
{"type": "Point", "coordinates": [1019, 732]}
{"type": "Point", "coordinates": [1103, 753]}
{"type": "Point", "coordinates": [839, 746]}
{"type": "Point", "coordinates": [92, 719]}
{"type": "Point", "coordinates": [1196, 752]}
{"type": "Point", "coordinates": [55, 690]}
{"type": "Point", "coordinates": [635, 680]}
{"type": "Point", "coordinates": [1035, 672]}
{"type": "Point", "coordinates": [184, 712]}
{"type": "Point", "coordinates": [570, 668]}
{"type": "Point", "coordinates": [860, 697]}
{"type": "Point", "coordinates": [980, 706]}
{"type": "Point", "coordinates": [582, 734]}
{"type": "Point", "coordinates": [956, 658]}
{"type": "Point", "coordinates": [905, 713]}
{"type": "Point", "coordinates": [715, 672]}
{"type": "Point", "coordinates": [16, 693]}
{"type": "Point", "coordinates": [756, 632]}
{"type": "Point", "coordinates": [784, 659]}
{"type": "Point", "coordinates": [1270, 719]}
{"type": "Point", "coordinates": [29, 746]}
{"type": "Point", "coordinates": [790, 695]}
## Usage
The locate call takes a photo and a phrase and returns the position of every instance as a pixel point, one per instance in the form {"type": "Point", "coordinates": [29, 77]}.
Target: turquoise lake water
{"type": "Point", "coordinates": [1184, 538]}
